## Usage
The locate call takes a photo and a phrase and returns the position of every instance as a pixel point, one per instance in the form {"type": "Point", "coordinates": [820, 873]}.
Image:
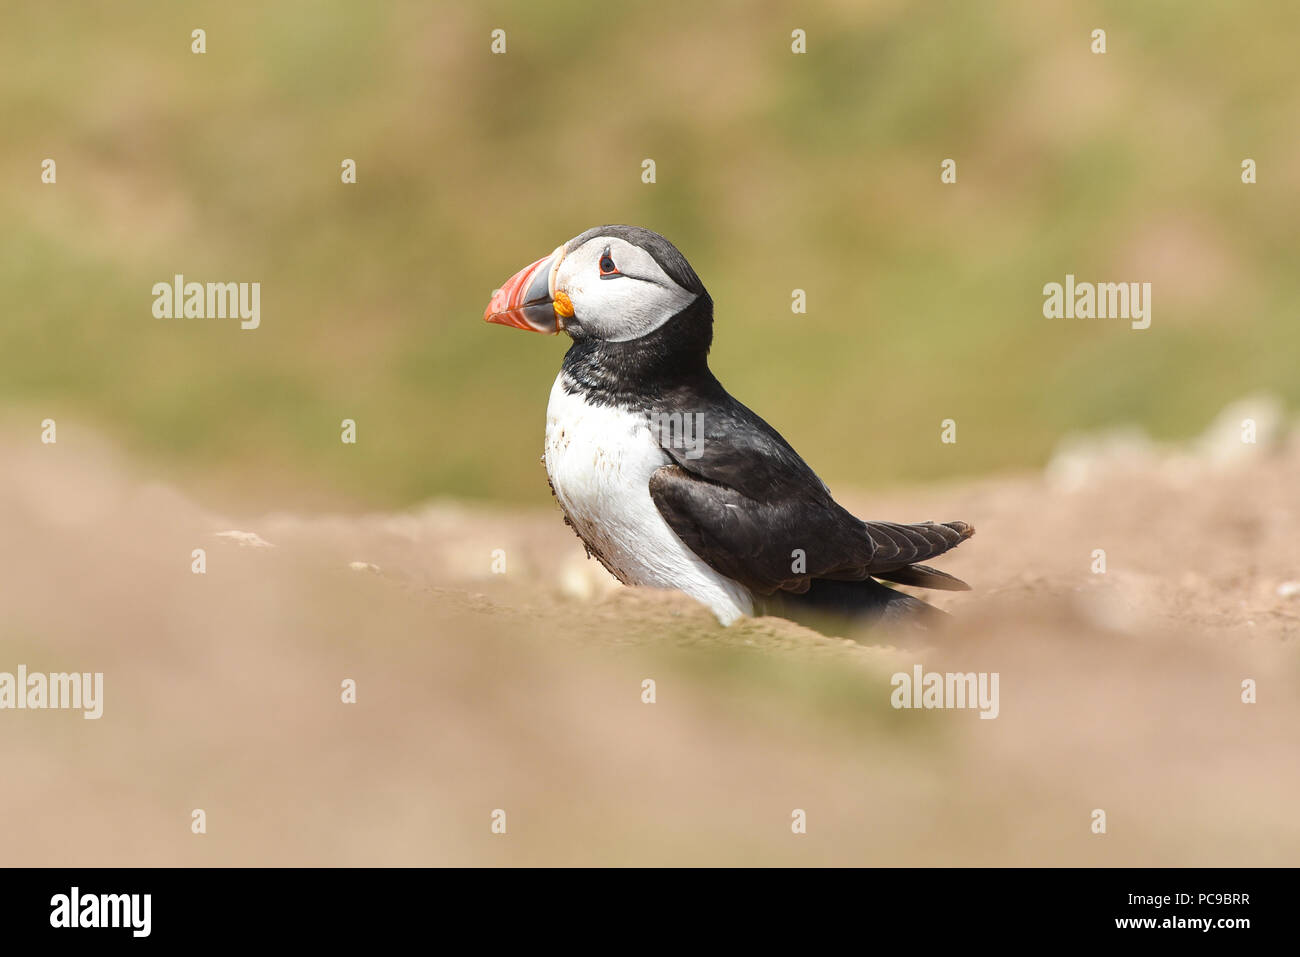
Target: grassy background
{"type": "Point", "coordinates": [775, 171]}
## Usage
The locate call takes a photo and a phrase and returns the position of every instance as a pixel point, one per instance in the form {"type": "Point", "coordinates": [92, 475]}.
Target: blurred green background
{"type": "Point", "coordinates": [775, 172]}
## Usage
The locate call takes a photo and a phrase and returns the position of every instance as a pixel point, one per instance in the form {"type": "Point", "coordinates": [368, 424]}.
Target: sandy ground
{"type": "Point", "coordinates": [522, 691]}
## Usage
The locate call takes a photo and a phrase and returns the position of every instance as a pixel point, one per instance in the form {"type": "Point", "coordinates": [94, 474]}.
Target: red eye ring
{"type": "Point", "coordinates": [607, 267]}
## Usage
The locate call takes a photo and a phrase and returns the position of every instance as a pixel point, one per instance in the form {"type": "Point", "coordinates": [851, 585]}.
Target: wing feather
{"type": "Point", "coordinates": [786, 544]}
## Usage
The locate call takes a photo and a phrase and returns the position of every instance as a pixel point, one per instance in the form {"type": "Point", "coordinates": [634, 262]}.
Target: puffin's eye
{"type": "Point", "coordinates": [607, 268]}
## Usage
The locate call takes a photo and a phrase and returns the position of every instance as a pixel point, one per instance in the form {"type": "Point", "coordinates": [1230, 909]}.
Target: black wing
{"type": "Point", "coordinates": [748, 505]}
{"type": "Point", "coordinates": [785, 545]}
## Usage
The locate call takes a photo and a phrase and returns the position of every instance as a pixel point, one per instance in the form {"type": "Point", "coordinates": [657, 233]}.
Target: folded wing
{"type": "Point", "coordinates": [786, 543]}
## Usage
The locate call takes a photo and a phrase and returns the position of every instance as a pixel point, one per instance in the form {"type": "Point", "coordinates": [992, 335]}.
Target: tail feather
{"type": "Point", "coordinates": [865, 601]}
{"type": "Point", "coordinates": [923, 576]}
{"type": "Point", "coordinates": [898, 545]}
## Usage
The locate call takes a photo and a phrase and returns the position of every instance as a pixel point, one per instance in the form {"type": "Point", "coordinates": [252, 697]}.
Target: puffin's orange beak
{"type": "Point", "coordinates": [526, 300]}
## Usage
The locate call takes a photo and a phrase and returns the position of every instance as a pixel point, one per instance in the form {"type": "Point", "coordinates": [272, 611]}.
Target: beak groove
{"type": "Point", "coordinates": [525, 300]}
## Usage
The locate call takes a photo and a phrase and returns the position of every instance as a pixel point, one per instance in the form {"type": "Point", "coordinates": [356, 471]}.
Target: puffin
{"type": "Point", "coordinates": [667, 479]}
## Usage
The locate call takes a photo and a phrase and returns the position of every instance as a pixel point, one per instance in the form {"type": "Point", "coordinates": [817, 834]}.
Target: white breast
{"type": "Point", "coordinates": [599, 459]}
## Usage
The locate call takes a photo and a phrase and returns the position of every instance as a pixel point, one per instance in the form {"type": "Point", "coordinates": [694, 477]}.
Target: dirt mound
{"type": "Point", "coordinates": [497, 669]}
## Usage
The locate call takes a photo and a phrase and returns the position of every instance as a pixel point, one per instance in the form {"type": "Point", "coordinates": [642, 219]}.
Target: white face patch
{"type": "Point", "coordinates": [633, 300]}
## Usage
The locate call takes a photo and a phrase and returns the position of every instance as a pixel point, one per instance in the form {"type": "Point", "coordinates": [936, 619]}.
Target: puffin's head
{"type": "Point", "coordinates": [613, 283]}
